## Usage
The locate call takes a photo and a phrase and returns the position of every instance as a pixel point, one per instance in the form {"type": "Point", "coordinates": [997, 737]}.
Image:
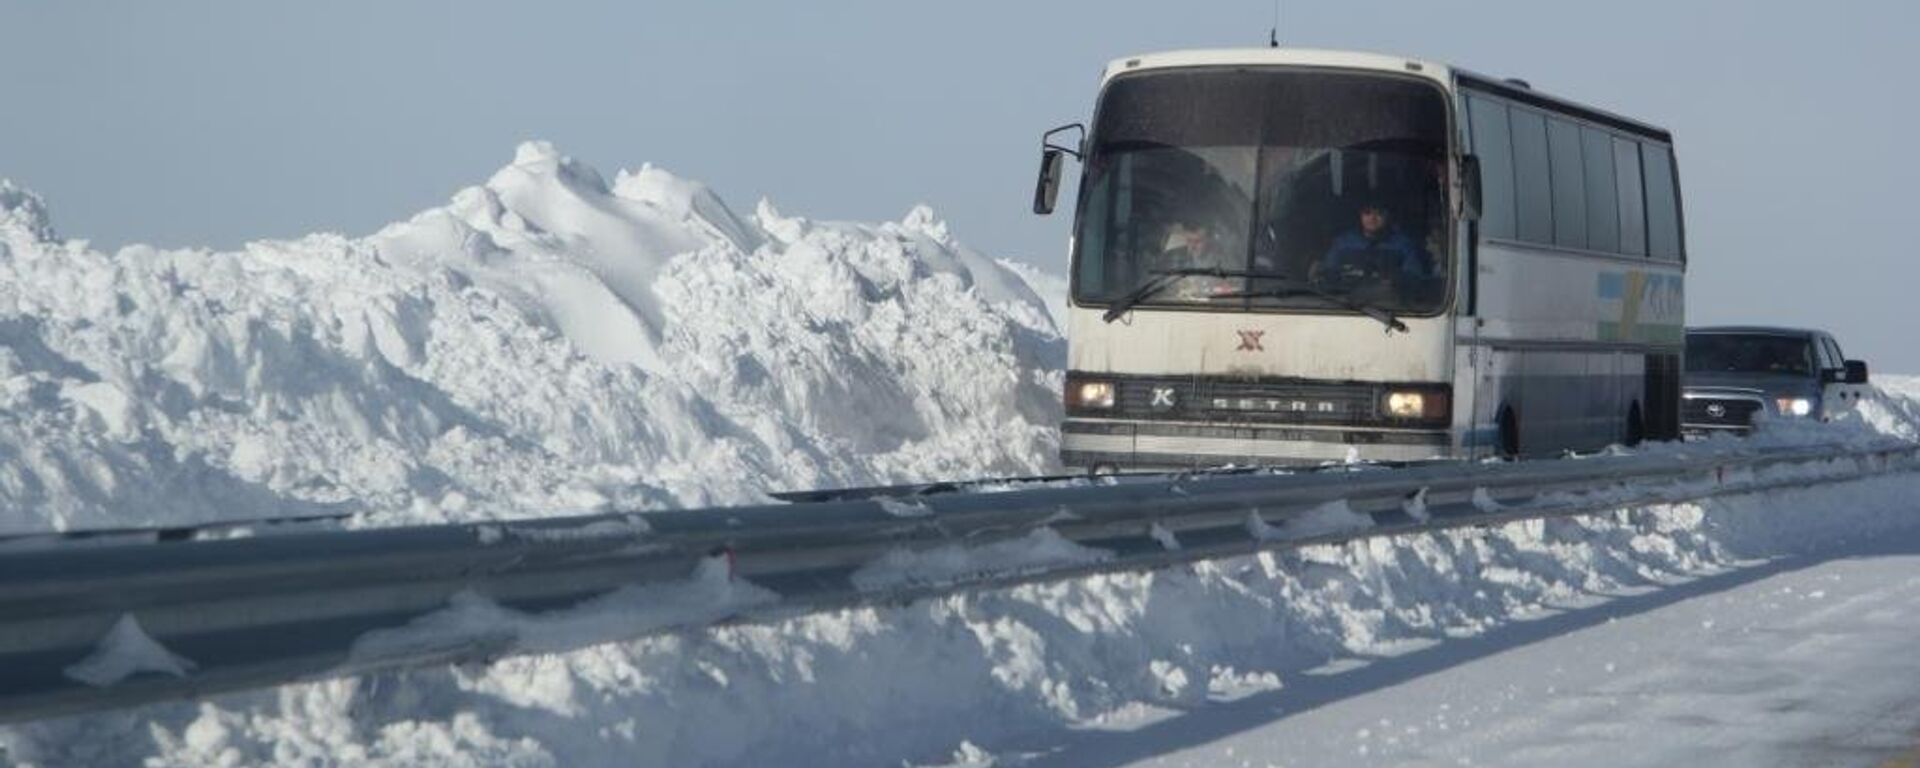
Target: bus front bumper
{"type": "Point", "coordinates": [1120, 445]}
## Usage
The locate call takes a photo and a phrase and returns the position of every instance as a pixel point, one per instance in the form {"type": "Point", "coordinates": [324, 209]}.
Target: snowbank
{"type": "Point", "coordinates": [547, 343]}
{"type": "Point", "coordinates": [965, 678]}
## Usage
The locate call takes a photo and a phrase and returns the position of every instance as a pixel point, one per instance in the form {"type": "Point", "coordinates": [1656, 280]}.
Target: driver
{"type": "Point", "coordinates": [1377, 245]}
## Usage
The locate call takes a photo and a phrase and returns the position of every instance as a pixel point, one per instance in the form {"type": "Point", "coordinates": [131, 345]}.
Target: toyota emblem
{"type": "Point", "coordinates": [1716, 410]}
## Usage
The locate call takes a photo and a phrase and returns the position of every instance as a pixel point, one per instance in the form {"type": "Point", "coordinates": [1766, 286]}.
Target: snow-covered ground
{"type": "Point", "coordinates": [1803, 658]}
{"type": "Point", "coordinates": [549, 343]}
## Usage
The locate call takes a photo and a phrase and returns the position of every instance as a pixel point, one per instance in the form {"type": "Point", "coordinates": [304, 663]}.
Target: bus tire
{"type": "Point", "coordinates": [1509, 439]}
{"type": "Point", "coordinates": [1636, 426]}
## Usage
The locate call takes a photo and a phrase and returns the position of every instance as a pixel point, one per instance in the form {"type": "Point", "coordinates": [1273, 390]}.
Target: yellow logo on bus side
{"type": "Point", "coordinates": [1650, 306]}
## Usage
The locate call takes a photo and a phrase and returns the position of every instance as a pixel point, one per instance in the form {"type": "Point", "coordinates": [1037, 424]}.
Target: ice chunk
{"type": "Point", "coordinates": [1332, 517]}
{"type": "Point", "coordinates": [899, 508]}
{"type": "Point", "coordinates": [1416, 506]}
{"type": "Point", "coordinates": [1166, 538]}
{"type": "Point", "coordinates": [124, 651]}
{"type": "Point", "coordinates": [1259, 529]}
{"type": "Point", "coordinates": [1484, 502]}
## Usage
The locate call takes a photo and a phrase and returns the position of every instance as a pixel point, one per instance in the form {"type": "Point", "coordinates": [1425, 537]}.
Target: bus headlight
{"type": "Point", "coordinates": [1406, 404]}
{"type": "Point", "coordinates": [1090, 394]}
{"type": "Point", "coordinates": [1794, 406]}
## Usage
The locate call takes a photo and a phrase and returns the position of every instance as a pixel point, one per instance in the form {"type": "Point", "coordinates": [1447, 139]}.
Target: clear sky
{"type": "Point", "coordinates": [211, 123]}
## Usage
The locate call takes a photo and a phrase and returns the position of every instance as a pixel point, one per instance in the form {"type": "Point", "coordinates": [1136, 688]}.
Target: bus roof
{"type": "Point", "coordinates": [1753, 330]}
{"type": "Point", "coordinates": [1213, 57]}
{"type": "Point", "coordinates": [1438, 72]}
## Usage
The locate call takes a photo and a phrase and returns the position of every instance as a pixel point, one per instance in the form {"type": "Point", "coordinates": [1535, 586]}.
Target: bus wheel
{"type": "Point", "coordinates": [1636, 426]}
{"type": "Point", "coordinates": [1509, 425]}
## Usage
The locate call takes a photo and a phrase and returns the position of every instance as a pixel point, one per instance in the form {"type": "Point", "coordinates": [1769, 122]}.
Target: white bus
{"type": "Point", "coordinates": [1285, 256]}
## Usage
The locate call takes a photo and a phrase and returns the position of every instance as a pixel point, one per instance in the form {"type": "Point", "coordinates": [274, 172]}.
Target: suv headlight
{"type": "Point", "coordinates": [1090, 394]}
{"type": "Point", "coordinates": [1794, 406]}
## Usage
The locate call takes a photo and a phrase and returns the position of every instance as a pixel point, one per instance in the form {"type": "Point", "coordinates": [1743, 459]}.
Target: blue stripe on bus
{"type": "Point", "coordinates": [1613, 285]}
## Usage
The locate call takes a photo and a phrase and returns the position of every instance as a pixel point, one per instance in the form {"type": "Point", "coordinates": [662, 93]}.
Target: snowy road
{"type": "Point", "coordinates": [1799, 661]}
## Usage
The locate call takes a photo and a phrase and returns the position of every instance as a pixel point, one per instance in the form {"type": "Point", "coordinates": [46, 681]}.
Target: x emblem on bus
{"type": "Point", "coordinates": [1250, 341]}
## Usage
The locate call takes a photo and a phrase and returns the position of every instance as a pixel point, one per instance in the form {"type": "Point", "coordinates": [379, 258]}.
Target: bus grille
{"type": "Point", "coordinates": [1244, 401]}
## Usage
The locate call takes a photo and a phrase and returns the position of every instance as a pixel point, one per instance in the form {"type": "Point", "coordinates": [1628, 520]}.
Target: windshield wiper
{"type": "Point", "coordinates": [1163, 278]}
{"type": "Point", "coordinates": [1160, 280]}
{"type": "Point", "coordinates": [1296, 287]}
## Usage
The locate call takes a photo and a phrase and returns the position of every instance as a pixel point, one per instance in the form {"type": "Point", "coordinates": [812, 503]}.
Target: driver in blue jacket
{"type": "Point", "coordinates": [1377, 246]}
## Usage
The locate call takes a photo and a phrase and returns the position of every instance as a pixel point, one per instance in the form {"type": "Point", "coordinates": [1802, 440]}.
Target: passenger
{"type": "Point", "coordinates": [1376, 247]}
{"type": "Point", "coordinates": [1189, 245]}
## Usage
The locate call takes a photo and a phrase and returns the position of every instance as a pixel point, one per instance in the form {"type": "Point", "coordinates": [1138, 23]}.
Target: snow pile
{"type": "Point", "coordinates": [548, 343]}
{"type": "Point", "coordinates": [1896, 411]}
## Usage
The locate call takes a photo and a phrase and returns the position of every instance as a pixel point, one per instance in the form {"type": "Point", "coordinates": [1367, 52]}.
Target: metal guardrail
{"type": "Point", "coordinates": [127, 619]}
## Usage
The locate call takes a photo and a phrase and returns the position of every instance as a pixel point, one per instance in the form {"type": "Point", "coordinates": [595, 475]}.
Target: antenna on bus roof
{"type": "Point", "coordinates": [1273, 34]}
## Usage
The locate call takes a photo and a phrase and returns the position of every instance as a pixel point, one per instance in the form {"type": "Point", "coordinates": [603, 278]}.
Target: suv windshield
{"type": "Point", "coordinates": [1749, 353]}
{"type": "Point", "coordinates": [1316, 190]}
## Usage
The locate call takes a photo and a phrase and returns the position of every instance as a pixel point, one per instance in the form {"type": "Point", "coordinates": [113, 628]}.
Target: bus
{"type": "Point", "coordinates": [1286, 256]}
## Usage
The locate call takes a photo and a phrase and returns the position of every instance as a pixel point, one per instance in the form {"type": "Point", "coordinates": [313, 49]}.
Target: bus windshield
{"type": "Point", "coordinates": [1307, 190]}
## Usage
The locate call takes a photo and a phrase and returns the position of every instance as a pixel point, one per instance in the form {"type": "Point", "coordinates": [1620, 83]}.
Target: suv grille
{"type": "Point", "coordinates": [1720, 411]}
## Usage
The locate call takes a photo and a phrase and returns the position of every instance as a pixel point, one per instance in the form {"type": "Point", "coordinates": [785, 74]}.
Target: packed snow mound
{"type": "Point", "coordinates": [547, 343]}
{"type": "Point", "coordinates": [1896, 408]}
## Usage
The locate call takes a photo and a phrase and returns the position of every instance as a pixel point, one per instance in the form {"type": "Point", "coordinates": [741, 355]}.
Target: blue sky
{"type": "Point", "coordinates": [211, 123]}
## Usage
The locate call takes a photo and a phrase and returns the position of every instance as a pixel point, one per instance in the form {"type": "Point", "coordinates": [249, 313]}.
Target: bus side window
{"type": "Point", "coordinates": [1603, 201]}
{"type": "Point", "coordinates": [1633, 209]}
{"type": "Point", "coordinates": [1533, 177]}
{"type": "Point", "coordinates": [1663, 203]}
{"type": "Point", "coordinates": [1492, 144]}
{"type": "Point", "coordinates": [1569, 184]}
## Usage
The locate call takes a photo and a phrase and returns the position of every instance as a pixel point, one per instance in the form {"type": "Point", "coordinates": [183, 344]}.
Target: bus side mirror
{"type": "Point", "coordinates": [1053, 163]}
{"type": "Point", "coordinates": [1856, 372]}
{"type": "Point", "coordinates": [1469, 188]}
{"type": "Point", "coordinates": [1046, 190]}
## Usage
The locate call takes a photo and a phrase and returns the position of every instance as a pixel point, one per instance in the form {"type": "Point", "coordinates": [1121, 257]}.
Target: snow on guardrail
{"type": "Point", "coordinates": [78, 624]}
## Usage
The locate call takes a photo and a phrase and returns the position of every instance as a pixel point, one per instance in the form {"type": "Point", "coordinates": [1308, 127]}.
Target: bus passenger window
{"type": "Point", "coordinates": [1633, 208]}
{"type": "Point", "coordinates": [1533, 180]}
{"type": "Point", "coordinates": [1493, 145]}
{"type": "Point", "coordinates": [1663, 204]}
{"type": "Point", "coordinates": [1603, 202]}
{"type": "Point", "coordinates": [1569, 184]}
